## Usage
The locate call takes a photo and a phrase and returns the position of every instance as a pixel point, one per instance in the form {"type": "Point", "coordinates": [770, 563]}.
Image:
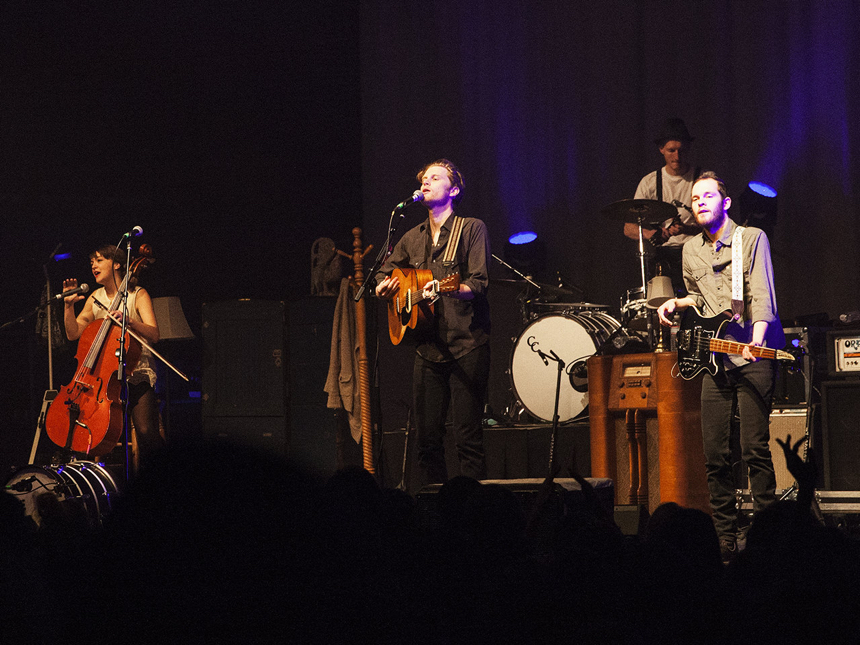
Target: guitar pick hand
{"type": "Point", "coordinates": [388, 287]}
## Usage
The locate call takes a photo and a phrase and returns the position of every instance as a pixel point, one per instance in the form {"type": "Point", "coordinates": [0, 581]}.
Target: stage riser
{"type": "Point", "coordinates": [512, 453]}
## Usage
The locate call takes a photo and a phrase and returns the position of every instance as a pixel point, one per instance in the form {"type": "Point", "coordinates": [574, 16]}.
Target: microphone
{"type": "Point", "coordinates": [73, 292]}
{"type": "Point", "coordinates": [23, 486]}
{"type": "Point", "coordinates": [578, 376]}
{"type": "Point", "coordinates": [137, 231]}
{"type": "Point", "coordinates": [680, 204]}
{"type": "Point", "coordinates": [417, 196]}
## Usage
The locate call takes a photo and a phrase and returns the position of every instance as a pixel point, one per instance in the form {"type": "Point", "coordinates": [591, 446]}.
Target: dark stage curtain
{"type": "Point", "coordinates": [550, 110]}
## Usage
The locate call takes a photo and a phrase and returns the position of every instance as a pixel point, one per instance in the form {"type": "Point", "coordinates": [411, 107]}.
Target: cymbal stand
{"type": "Point", "coordinates": [642, 256]}
{"type": "Point", "coordinates": [524, 277]}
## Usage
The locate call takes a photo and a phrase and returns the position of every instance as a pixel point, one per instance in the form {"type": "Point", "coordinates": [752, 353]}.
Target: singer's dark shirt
{"type": "Point", "coordinates": [459, 326]}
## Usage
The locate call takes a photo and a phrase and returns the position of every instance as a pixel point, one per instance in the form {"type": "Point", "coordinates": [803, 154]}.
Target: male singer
{"type": "Point", "coordinates": [452, 360]}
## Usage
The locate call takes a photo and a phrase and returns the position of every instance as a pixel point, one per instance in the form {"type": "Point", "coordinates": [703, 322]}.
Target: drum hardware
{"type": "Point", "coordinates": [634, 314]}
{"type": "Point", "coordinates": [659, 291]}
{"type": "Point", "coordinates": [522, 276]}
{"type": "Point", "coordinates": [564, 283]}
{"type": "Point", "coordinates": [538, 298]}
{"type": "Point", "coordinates": [623, 342]}
{"type": "Point", "coordinates": [538, 308]}
{"type": "Point", "coordinates": [646, 214]}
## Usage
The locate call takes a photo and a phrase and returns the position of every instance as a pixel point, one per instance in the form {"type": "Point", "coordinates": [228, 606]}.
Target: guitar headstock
{"type": "Point", "coordinates": [451, 283]}
{"type": "Point", "coordinates": [782, 355]}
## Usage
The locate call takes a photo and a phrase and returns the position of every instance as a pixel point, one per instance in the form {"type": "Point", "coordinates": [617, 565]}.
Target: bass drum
{"type": "Point", "coordinates": [573, 338]}
{"type": "Point", "coordinates": [83, 483]}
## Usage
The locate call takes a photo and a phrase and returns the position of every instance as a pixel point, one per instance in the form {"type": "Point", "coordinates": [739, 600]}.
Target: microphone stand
{"type": "Point", "coordinates": [122, 377]}
{"type": "Point", "coordinates": [552, 356]}
{"type": "Point", "coordinates": [554, 433]}
{"type": "Point", "coordinates": [384, 251]}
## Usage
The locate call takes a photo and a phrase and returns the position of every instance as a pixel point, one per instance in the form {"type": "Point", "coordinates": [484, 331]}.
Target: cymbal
{"type": "Point", "coordinates": [649, 212]}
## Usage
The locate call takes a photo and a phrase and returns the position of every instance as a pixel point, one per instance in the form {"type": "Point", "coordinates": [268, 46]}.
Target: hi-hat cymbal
{"type": "Point", "coordinates": [648, 212]}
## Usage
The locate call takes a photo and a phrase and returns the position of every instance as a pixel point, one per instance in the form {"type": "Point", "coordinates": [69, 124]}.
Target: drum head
{"type": "Point", "coordinates": [31, 484]}
{"type": "Point", "coordinates": [573, 338]}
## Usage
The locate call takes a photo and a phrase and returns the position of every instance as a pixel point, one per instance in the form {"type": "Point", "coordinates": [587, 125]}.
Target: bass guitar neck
{"type": "Point", "coordinates": [699, 342]}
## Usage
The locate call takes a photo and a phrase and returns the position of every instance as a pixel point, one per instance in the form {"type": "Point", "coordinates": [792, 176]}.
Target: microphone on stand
{"type": "Point", "coordinates": [417, 196]}
{"type": "Point", "coordinates": [137, 231]}
{"type": "Point", "coordinates": [23, 486]}
{"type": "Point", "coordinates": [72, 292]}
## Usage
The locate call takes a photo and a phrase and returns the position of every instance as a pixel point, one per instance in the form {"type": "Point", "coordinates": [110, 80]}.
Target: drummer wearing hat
{"type": "Point", "coordinates": [672, 184]}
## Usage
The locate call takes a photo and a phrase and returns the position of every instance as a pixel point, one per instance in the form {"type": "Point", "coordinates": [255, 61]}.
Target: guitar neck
{"type": "Point", "coordinates": [732, 347]}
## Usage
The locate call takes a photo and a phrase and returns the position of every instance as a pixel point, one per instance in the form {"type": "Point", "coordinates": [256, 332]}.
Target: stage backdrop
{"type": "Point", "coordinates": [550, 110]}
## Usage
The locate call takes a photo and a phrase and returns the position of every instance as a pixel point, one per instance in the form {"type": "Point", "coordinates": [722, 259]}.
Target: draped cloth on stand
{"type": "Point", "coordinates": [342, 384]}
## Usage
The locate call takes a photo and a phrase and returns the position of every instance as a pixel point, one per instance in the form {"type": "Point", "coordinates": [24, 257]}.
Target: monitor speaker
{"type": "Point", "coordinates": [841, 434]}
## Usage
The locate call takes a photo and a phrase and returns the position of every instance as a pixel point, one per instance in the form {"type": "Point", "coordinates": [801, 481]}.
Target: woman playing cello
{"type": "Point", "coordinates": [108, 267]}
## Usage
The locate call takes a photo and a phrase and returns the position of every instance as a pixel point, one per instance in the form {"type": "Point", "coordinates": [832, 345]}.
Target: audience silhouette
{"type": "Point", "coordinates": [217, 543]}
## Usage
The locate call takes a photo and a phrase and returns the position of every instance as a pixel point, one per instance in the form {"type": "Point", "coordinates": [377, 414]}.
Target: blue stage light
{"type": "Point", "coordinates": [523, 237]}
{"type": "Point", "coordinates": [757, 206]}
{"type": "Point", "coordinates": [762, 189]}
{"type": "Point", "coordinates": [525, 252]}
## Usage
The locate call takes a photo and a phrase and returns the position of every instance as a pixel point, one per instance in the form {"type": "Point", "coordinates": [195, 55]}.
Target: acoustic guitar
{"type": "Point", "coordinates": [408, 308]}
{"type": "Point", "coordinates": [699, 343]}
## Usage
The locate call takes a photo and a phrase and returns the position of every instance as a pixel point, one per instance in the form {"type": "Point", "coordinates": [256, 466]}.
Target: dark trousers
{"type": "Point", "coordinates": [461, 385]}
{"type": "Point", "coordinates": [749, 389]}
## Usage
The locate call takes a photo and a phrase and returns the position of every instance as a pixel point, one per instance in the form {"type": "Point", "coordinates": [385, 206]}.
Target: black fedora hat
{"type": "Point", "coordinates": [673, 130]}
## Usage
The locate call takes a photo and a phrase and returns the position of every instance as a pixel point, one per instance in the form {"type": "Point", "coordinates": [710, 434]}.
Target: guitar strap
{"type": "Point", "coordinates": [737, 276]}
{"type": "Point", "coordinates": [659, 184]}
{"type": "Point", "coordinates": [450, 256]}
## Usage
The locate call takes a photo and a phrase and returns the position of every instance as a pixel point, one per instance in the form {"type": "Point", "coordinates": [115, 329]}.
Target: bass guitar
{"type": "Point", "coordinates": [408, 308]}
{"type": "Point", "coordinates": [699, 342]}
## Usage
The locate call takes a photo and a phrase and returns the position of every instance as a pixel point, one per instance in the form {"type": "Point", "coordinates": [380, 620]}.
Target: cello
{"type": "Point", "coordinates": [87, 416]}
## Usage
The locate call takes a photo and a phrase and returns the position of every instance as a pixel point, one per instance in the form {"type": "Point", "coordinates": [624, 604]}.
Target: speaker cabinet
{"type": "Point", "coordinates": [841, 434]}
{"type": "Point", "coordinates": [782, 424]}
{"type": "Point", "coordinates": [244, 370]}
{"type": "Point", "coordinates": [243, 360]}
{"type": "Point", "coordinates": [314, 428]}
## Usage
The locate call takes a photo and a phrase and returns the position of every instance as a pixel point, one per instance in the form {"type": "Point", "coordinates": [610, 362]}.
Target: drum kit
{"type": "Point", "coordinates": [557, 330]}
